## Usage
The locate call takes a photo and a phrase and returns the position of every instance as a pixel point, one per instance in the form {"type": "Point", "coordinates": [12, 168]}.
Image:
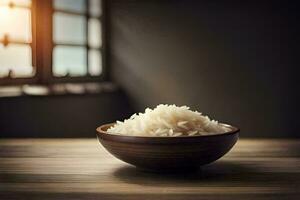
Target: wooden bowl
{"type": "Point", "coordinates": [168, 153]}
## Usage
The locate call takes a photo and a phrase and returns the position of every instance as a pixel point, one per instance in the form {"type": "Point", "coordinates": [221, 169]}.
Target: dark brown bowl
{"type": "Point", "coordinates": [168, 153]}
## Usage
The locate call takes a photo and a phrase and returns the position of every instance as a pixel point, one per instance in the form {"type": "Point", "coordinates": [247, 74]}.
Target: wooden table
{"type": "Point", "coordinates": [82, 169]}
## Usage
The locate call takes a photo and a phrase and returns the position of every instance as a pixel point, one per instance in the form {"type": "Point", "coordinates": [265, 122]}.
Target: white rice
{"type": "Point", "coordinates": [168, 120]}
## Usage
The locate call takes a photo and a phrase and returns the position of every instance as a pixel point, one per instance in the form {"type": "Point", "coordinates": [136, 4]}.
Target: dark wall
{"type": "Point", "coordinates": [60, 116]}
{"type": "Point", "coordinates": [233, 61]}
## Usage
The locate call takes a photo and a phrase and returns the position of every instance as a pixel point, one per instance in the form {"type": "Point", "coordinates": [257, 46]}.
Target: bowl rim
{"type": "Point", "coordinates": [153, 139]}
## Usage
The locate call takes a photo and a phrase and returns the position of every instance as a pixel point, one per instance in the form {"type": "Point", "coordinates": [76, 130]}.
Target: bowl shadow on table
{"type": "Point", "coordinates": [218, 173]}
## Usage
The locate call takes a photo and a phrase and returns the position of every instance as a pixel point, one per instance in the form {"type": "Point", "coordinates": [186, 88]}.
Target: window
{"type": "Point", "coordinates": [16, 41]}
{"type": "Point", "coordinates": [51, 41]}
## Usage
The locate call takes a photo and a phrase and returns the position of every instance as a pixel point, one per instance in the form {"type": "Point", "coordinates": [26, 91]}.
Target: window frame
{"type": "Point", "coordinates": [42, 46]}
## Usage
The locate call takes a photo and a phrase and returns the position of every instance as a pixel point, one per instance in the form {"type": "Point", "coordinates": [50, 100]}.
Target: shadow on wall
{"type": "Point", "coordinates": [231, 61]}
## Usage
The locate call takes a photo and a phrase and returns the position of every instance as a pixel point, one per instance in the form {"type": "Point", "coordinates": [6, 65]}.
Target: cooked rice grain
{"type": "Point", "coordinates": [168, 120]}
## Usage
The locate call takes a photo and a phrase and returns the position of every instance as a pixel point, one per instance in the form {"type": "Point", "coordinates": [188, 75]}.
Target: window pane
{"type": "Point", "coordinates": [95, 8]}
{"type": "Point", "coordinates": [16, 2]}
{"type": "Point", "coordinates": [95, 62]}
{"type": "Point", "coordinates": [69, 28]}
{"type": "Point", "coordinates": [69, 60]}
{"type": "Point", "coordinates": [94, 33]}
{"type": "Point", "coordinates": [70, 5]}
{"type": "Point", "coordinates": [15, 23]}
{"type": "Point", "coordinates": [16, 58]}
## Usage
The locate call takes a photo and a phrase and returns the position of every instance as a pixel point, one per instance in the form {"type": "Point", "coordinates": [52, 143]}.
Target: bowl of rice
{"type": "Point", "coordinates": [168, 138]}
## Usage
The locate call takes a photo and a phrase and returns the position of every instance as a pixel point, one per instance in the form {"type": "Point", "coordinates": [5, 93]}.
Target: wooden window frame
{"type": "Point", "coordinates": [42, 46]}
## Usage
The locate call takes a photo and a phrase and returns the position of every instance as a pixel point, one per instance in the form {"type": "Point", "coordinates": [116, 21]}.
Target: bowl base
{"type": "Point", "coordinates": [184, 170]}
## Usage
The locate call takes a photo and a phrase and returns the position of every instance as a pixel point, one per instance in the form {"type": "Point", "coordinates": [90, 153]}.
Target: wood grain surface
{"type": "Point", "coordinates": [82, 169]}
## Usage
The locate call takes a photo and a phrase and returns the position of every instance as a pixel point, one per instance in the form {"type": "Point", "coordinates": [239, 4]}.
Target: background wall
{"type": "Point", "coordinates": [60, 116]}
{"type": "Point", "coordinates": [233, 61]}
